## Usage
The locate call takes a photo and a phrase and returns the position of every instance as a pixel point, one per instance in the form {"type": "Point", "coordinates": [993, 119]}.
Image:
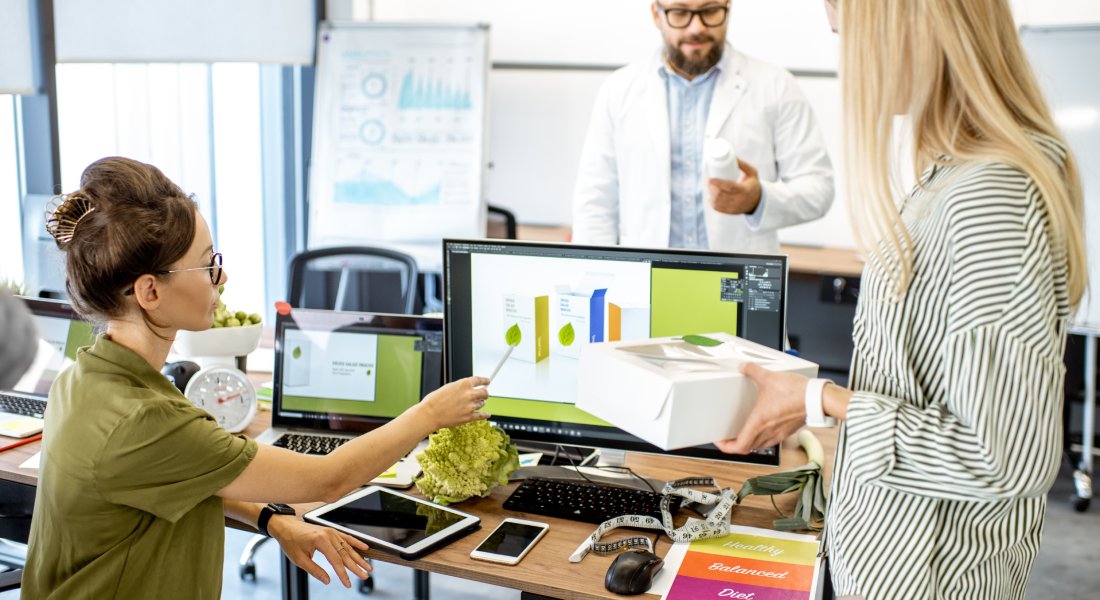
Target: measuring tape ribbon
{"type": "Point", "coordinates": [717, 523]}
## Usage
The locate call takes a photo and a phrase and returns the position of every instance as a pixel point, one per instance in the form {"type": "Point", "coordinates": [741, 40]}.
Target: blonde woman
{"type": "Point", "coordinates": [952, 427]}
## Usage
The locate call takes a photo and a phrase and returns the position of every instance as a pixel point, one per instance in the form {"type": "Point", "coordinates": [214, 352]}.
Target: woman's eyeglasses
{"type": "Point", "coordinates": [215, 268]}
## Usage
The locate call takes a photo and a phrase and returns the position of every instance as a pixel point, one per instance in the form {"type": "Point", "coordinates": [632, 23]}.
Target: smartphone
{"type": "Point", "coordinates": [510, 541]}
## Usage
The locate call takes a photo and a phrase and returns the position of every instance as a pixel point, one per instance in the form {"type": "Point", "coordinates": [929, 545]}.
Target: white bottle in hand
{"type": "Point", "coordinates": [720, 160]}
{"type": "Point", "coordinates": [723, 230]}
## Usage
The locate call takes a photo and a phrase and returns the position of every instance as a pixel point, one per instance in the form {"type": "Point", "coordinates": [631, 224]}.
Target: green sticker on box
{"type": "Point", "coordinates": [513, 336]}
{"type": "Point", "coordinates": [567, 335]}
{"type": "Point", "coordinates": [700, 340]}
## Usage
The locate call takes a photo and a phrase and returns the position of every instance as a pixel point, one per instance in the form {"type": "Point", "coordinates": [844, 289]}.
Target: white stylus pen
{"type": "Point", "coordinates": [501, 363]}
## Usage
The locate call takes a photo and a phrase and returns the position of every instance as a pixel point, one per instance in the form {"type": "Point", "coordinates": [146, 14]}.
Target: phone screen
{"type": "Point", "coordinates": [510, 539]}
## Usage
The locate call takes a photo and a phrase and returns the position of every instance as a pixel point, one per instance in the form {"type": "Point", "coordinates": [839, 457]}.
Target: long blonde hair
{"type": "Point", "coordinates": [957, 68]}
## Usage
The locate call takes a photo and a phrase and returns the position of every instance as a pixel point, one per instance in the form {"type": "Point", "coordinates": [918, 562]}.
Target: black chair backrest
{"type": "Point", "coordinates": [502, 223]}
{"type": "Point", "coordinates": [360, 278]}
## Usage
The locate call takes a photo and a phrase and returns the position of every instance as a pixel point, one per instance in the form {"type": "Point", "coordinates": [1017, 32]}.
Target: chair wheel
{"type": "Point", "coordinates": [247, 571]}
{"type": "Point", "coordinates": [366, 586]}
{"type": "Point", "coordinates": [1079, 504]}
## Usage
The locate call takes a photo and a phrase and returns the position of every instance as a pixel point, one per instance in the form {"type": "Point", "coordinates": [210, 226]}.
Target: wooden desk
{"type": "Point", "coordinates": [546, 570]}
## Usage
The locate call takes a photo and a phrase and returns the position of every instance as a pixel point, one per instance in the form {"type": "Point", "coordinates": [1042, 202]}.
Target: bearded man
{"type": "Point", "coordinates": [642, 179]}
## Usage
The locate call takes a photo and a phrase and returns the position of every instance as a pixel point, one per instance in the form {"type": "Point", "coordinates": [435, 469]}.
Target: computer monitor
{"type": "Point", "coordinates": [346, 371]}
{"type": "Point", "coordinates": [491, 285]}
{"type": "Point", "coordinates": [61, 332]}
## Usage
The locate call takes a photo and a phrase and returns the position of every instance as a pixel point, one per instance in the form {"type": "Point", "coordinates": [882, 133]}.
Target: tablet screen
{"type": "Point", "coordinates": [395, 519]}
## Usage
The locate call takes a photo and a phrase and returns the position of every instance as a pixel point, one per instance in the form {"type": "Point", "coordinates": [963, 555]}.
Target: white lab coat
{"type": "Point", "coordinates": [622, 194]}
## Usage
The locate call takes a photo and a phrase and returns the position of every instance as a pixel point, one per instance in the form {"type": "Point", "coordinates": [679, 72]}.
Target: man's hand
{"type": "Point", "coordinates": [736, 197]}
{"type": "Point", "coordinates": [299, 540]}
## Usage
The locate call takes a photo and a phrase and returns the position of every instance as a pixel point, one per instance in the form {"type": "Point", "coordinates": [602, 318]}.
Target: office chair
{"type": "Point", "coordinates": [359, 278]}
{"type": "Point", "coordinates": [11, 580]}
{"type": "Point", "coordinates": [353, 278]}
{"type": "Point", "coordinates": [501, 224]}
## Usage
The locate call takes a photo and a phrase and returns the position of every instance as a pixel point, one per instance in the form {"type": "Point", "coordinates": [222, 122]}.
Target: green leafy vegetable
{"type": "Point", "coordinates": [297, 352]}
{"type": "Point", "coordinates": [466, 461]}
{"type": "Point", "coordinates": [513, 335]}
{"type": "Point", "coordinates": [810, 509]}
{"type": "Point", "coordinates": [567, 335]}
{"type": "Point", "coordinates": [700, 340]}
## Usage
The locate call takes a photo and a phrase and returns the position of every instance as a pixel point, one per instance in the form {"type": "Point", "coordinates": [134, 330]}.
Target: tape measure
{"type": "Point", "coordinates": [717, 523]}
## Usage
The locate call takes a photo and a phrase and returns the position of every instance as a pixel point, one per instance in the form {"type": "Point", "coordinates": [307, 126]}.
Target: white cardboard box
{"type": "Point", "coordinates": [674, 394]}
{"type": "Point", "coordinates": [583, 308]}
{"type": "Point", "coordinates": [531, 315]}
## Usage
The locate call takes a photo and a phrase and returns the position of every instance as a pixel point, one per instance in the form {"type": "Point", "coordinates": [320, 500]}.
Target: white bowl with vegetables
{"type": "Point", "coordinates": [233, 333]}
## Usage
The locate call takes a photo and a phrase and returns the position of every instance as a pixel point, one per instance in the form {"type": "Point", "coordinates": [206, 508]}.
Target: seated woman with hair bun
{"type": "Point", "coordinates": [135, 481]}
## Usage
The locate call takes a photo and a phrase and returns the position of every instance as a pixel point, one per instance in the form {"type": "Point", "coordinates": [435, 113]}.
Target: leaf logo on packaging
{"type": "Point", "coordinates": [567, 335]}
{"type": "Point", "coordinates": [297, 352]}
{"type": "Point", "coordinates": [513, 335]}
{"type": "Point", "coordinates": [700, 340]}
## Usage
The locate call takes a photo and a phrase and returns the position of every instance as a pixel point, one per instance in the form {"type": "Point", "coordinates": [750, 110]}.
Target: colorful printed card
{"type": "Point", "coordinates": [747, 564]}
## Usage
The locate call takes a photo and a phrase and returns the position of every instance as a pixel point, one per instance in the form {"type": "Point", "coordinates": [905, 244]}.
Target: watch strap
{"type": "Point", "coordinates": [269, 511]}
{"type": "Point", "coordinates": [815, 409]}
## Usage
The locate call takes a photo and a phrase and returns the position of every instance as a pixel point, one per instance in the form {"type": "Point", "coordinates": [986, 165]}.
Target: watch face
{"type": "Point", "coordinates": [225, 393]}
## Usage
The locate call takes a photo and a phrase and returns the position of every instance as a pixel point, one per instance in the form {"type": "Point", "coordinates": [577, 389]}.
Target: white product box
{"type": "Point", "coordinates": [530, 314]}
{"type": "Point", "coordinates": [674, 394]}
{"type": "Point", "coordinates": [580, 314]}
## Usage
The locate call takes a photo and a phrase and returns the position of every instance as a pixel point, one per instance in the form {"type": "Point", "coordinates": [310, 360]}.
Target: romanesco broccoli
{"type": "Point", "coordinates": [466, 461]}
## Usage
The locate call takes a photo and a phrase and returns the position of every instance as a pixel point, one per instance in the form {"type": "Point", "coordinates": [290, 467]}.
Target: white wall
{"type": "Point", "coordinates": [539, 117]}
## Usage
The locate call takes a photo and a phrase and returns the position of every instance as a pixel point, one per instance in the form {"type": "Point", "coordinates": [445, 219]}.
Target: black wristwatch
{"type": "Point", "coordinates": [270, 510]}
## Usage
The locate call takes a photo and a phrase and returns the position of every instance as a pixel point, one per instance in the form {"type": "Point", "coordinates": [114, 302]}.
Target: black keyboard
{"type": "Point", "coordinates": [309, 444]}
{"type": "Point", "coordinates": [584, 501]}
{"type": "Point", "coordinates": [21, 405]}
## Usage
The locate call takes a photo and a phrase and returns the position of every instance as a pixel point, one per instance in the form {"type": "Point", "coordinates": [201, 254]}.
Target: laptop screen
{"type": "Point", "coordinates": [60, 333]}
{"type": "Point", "coordinates": [352, 371]}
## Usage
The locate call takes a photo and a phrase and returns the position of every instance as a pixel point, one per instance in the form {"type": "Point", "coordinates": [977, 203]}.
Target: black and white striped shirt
{"type": "Point", "coordinates": [954, 434]}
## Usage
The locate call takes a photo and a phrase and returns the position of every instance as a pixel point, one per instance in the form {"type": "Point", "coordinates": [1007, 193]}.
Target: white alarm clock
{"type": "Point", "coordinates": [226, 393]}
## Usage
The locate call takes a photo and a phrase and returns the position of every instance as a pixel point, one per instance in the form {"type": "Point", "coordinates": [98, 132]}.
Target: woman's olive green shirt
{"type": "Point", "coordinates": [125, 506]}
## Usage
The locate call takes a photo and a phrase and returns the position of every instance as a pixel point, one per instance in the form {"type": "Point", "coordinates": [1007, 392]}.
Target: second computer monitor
{"type": "Point", "coordinates": [554, 298]}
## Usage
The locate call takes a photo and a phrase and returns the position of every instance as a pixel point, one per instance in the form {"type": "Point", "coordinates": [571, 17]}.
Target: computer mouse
{"type": "Point", "coordinates": [632, 572]}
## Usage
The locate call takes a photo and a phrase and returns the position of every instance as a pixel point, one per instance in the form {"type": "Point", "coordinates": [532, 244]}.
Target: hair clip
{"type": "Point", "coordinates": [64, 213]}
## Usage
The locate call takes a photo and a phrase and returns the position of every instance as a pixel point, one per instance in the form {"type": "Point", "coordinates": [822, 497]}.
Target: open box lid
{"type": "Point", "coordinates": [667, 361]}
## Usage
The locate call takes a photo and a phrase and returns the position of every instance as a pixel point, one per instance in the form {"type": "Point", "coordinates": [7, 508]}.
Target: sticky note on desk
{"type": "Point", "coordinates": [529, 459]}
{"type": "Point", "coordinates": [390, 472]}
{"type": "Point", "coordinates": [20, 426]}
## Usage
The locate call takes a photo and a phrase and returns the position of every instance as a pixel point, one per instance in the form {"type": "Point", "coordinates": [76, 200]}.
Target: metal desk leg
{"type": "Point", "coordinates": [421, 585]}
{"type": "Point", "coordinates": [295, 581]}
{"type": "Point", "coordinates": [1082, 477]}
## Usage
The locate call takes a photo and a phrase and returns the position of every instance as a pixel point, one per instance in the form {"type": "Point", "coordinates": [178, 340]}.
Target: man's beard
{"type": "Point", "coordinates": [694, 66]}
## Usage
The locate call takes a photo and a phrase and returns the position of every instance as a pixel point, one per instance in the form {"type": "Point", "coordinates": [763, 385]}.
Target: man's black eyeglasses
{"type": "Point", "coordinates": [680, 18]}
{"type": "Point", "coordinates": [215, 269]}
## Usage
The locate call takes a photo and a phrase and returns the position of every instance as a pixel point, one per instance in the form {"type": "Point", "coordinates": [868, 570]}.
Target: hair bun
{"type": "Point", "coordinates": [64, 213]}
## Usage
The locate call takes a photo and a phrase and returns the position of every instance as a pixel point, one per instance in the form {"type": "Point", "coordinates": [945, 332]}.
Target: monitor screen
{"type": "Point", "coordinates": [61, 332]}
{"type": "Point", "coordinates": [497, 288]}
{"type": "Point", "coordinates": [353, 371]}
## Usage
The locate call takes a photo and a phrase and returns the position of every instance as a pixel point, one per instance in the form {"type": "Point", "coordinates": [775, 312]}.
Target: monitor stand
{"type": "Point", "coordinates": [585, 465]}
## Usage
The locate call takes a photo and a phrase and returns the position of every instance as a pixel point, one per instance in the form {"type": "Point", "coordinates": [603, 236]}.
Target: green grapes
{"type": "Point", "coordinates": [223, 317]}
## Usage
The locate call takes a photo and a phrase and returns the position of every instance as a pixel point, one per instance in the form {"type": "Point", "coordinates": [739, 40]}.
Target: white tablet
{"type": "Point", "coordinates": [394, 522]}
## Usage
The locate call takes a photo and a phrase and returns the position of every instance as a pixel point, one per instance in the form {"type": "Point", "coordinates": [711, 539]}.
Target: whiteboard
{"type": "Point", "coordinates": [398, 154]}
{"type": "Point", "coordinates": [1064, 59]}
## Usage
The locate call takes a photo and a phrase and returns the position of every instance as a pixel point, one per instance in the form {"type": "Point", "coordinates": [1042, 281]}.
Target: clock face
{"type": "Point", "coordinates": [226, 393]}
